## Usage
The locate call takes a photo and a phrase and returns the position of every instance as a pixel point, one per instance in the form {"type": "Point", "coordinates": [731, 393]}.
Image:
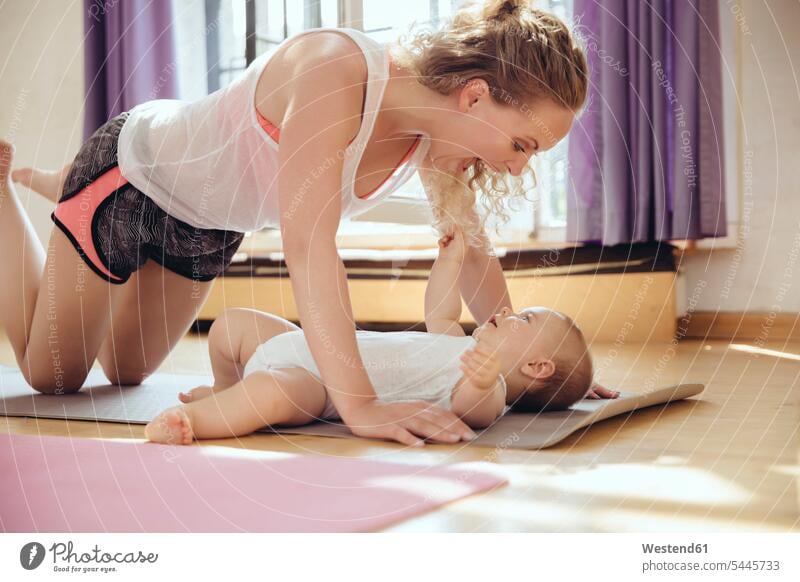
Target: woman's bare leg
{"type": "Point", "coordinates": [48, 183]}
{"type": "Point", "coordinates": [156, 309]}
{"type": "Point", "coordinates": [286, 396]}
{"type": "Point", "coordinates": [54, 310]}
{"type": "Point", "coordinates": [232, 340]}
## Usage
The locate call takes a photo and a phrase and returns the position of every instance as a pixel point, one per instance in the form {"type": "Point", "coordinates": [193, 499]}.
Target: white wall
{"type": "Point", "coordinates": [759, 274]}
{"type": "Point", "coordinates": [41, 88]}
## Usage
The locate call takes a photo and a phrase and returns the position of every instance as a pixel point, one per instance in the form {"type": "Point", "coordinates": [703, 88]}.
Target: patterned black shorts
{"type": "Point", "coordinates": [115, 227]}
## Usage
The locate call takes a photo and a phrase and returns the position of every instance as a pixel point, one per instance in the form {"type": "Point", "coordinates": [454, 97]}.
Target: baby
{"type": "Point", "coordinates": [264, 374]}
{"type": "Point", "coordinates": [539, 354]}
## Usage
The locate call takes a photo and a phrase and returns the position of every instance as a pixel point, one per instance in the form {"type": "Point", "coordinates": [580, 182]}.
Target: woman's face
{"type": "Point", "coordinates": [504, 135]}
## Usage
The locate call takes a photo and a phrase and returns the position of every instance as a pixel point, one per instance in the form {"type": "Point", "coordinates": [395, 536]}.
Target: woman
{"type": "Point", "coordinates": [324, 127]}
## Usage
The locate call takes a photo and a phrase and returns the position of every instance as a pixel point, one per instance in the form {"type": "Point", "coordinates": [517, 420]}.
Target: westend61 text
{"type": "Point", "coordinates": [670, 549]}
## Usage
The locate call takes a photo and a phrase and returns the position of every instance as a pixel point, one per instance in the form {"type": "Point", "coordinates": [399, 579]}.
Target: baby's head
{"type": "Point", "coordinates": [543, 357]}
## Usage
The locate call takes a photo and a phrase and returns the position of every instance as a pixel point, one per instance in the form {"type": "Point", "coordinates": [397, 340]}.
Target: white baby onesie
{"type": "Point", "coordinates": [405, 365]}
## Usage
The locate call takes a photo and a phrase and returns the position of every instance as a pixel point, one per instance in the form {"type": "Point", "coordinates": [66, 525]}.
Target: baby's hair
{"type": "Point", "coordinates": [568, 384]}
{"type": "Point", "coordinates": [524, 54]}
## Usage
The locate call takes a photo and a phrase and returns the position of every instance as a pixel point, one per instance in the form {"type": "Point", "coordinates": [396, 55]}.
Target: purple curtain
{"type": "Point", "coordinates": [646, 154]}
{"type": "Point", "coordinates": [129, 57]}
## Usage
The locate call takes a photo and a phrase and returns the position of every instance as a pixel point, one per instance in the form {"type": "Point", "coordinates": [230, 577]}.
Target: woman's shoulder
{"type": "Point", "coordinates": [321, 71]}
{"type": "Point", "coordinates": [324, 52]}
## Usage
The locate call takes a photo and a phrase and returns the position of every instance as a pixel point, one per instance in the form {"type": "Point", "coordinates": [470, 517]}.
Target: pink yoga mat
{"type": "Point", "coordinates": [56, 484]}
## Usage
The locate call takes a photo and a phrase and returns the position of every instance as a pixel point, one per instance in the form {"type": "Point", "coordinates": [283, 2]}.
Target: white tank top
{"type": "Point", "coordinates": [405, 365]}
{"type": "Point", "coordinates": [210, 163]}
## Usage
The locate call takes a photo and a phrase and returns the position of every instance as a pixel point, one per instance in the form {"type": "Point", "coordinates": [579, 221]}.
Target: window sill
{"type": "Point", "coordinates": [383, 236]}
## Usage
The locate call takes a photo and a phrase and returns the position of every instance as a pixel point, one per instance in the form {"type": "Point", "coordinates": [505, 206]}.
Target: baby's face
{"type": "Point", "coordinates": [530, 334]}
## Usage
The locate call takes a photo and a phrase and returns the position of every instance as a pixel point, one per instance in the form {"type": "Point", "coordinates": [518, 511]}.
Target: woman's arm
{"type": "Point", "coordinates": [483, 285]}
{"type": "Point", "coordinates": [481, 280]}
{"type": "Point", "coordinates": [322, 115]}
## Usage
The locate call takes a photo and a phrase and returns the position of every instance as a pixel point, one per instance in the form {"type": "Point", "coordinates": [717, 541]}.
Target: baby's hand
{"type": "Point", "coordinates": [597, 392]}
{"type": "Point", "coordinates": [452, 246]}
{"type": "Point", "coordinates": [480, 366]}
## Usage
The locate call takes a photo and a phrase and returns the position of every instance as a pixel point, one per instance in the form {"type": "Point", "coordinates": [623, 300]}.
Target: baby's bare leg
{"type": "Point", "coordinates": [283, 396]}
{"type": "Point", "coordinates": [232, 339]}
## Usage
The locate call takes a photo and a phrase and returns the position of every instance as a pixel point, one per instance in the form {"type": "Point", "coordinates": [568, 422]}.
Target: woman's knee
{"type": "Point", "coordinates": [120, 367]}
{"type": "Point", "coordinates": [63, 379]}
{"type": "Point", "coordinates": [57, 379]}
{"type": "Point", "coordinates": [123, 377]}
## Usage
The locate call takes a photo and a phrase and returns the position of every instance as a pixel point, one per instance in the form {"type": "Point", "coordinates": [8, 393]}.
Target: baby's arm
{"type": "Point", "coordinates": [480, 396]}
{"type": "Point", "coordinates": [442, 296]}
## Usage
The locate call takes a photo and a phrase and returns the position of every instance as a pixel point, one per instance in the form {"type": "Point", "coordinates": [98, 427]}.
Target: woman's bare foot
{"type": "Point", "coordinates": [6, 157]}
{"type": "Point", "coordinates": [47, 183]}
{"type": "Point", "coordinates": [198, 393]}
{"type": "Point", "coordinates": [172, 427]}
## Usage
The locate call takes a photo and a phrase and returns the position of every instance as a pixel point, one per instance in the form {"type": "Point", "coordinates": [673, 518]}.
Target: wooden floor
{"type": "Point", "coordinates": [726, 462]}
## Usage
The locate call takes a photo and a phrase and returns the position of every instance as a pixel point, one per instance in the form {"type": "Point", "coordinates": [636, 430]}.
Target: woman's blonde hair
{"type": "Point", "coordinates": [523, 54]}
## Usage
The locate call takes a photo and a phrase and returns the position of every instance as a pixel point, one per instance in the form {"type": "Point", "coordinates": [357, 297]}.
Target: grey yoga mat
{"type": "Point", "coordinates": [98, 400]}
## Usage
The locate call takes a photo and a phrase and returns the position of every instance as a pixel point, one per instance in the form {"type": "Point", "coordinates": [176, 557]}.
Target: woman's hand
{"type": "Point", "coordinates": [480, 366]}
{"type": "Point", "coordinates": [452, 246]}
{"type": "Point", "coordinates": [596, 392]}
{"type": "Point", "coordinates": [404, 422]}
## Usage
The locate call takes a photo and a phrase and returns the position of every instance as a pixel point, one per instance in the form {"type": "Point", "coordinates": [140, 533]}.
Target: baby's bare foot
{"type": "Point", "coordinates": [172, 427]}
{"type": "Point", "coordinates": [195, 394]}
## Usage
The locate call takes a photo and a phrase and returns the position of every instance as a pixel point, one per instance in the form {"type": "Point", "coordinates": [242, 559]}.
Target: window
{"type": "Point", "coordinates": [384, 20]}
{"type": "Point", "coordinates": [273, 21]}
{"type": "Point", "coordinates": [217, 39]}
{"type": "Point", "coordinates": [551, 167]}
{"type": "Point", "coordinates": [215, 36]}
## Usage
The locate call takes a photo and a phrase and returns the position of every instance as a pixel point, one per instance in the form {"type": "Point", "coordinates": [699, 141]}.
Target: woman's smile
{"type": "Point", "coordinates": [467, 162]}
